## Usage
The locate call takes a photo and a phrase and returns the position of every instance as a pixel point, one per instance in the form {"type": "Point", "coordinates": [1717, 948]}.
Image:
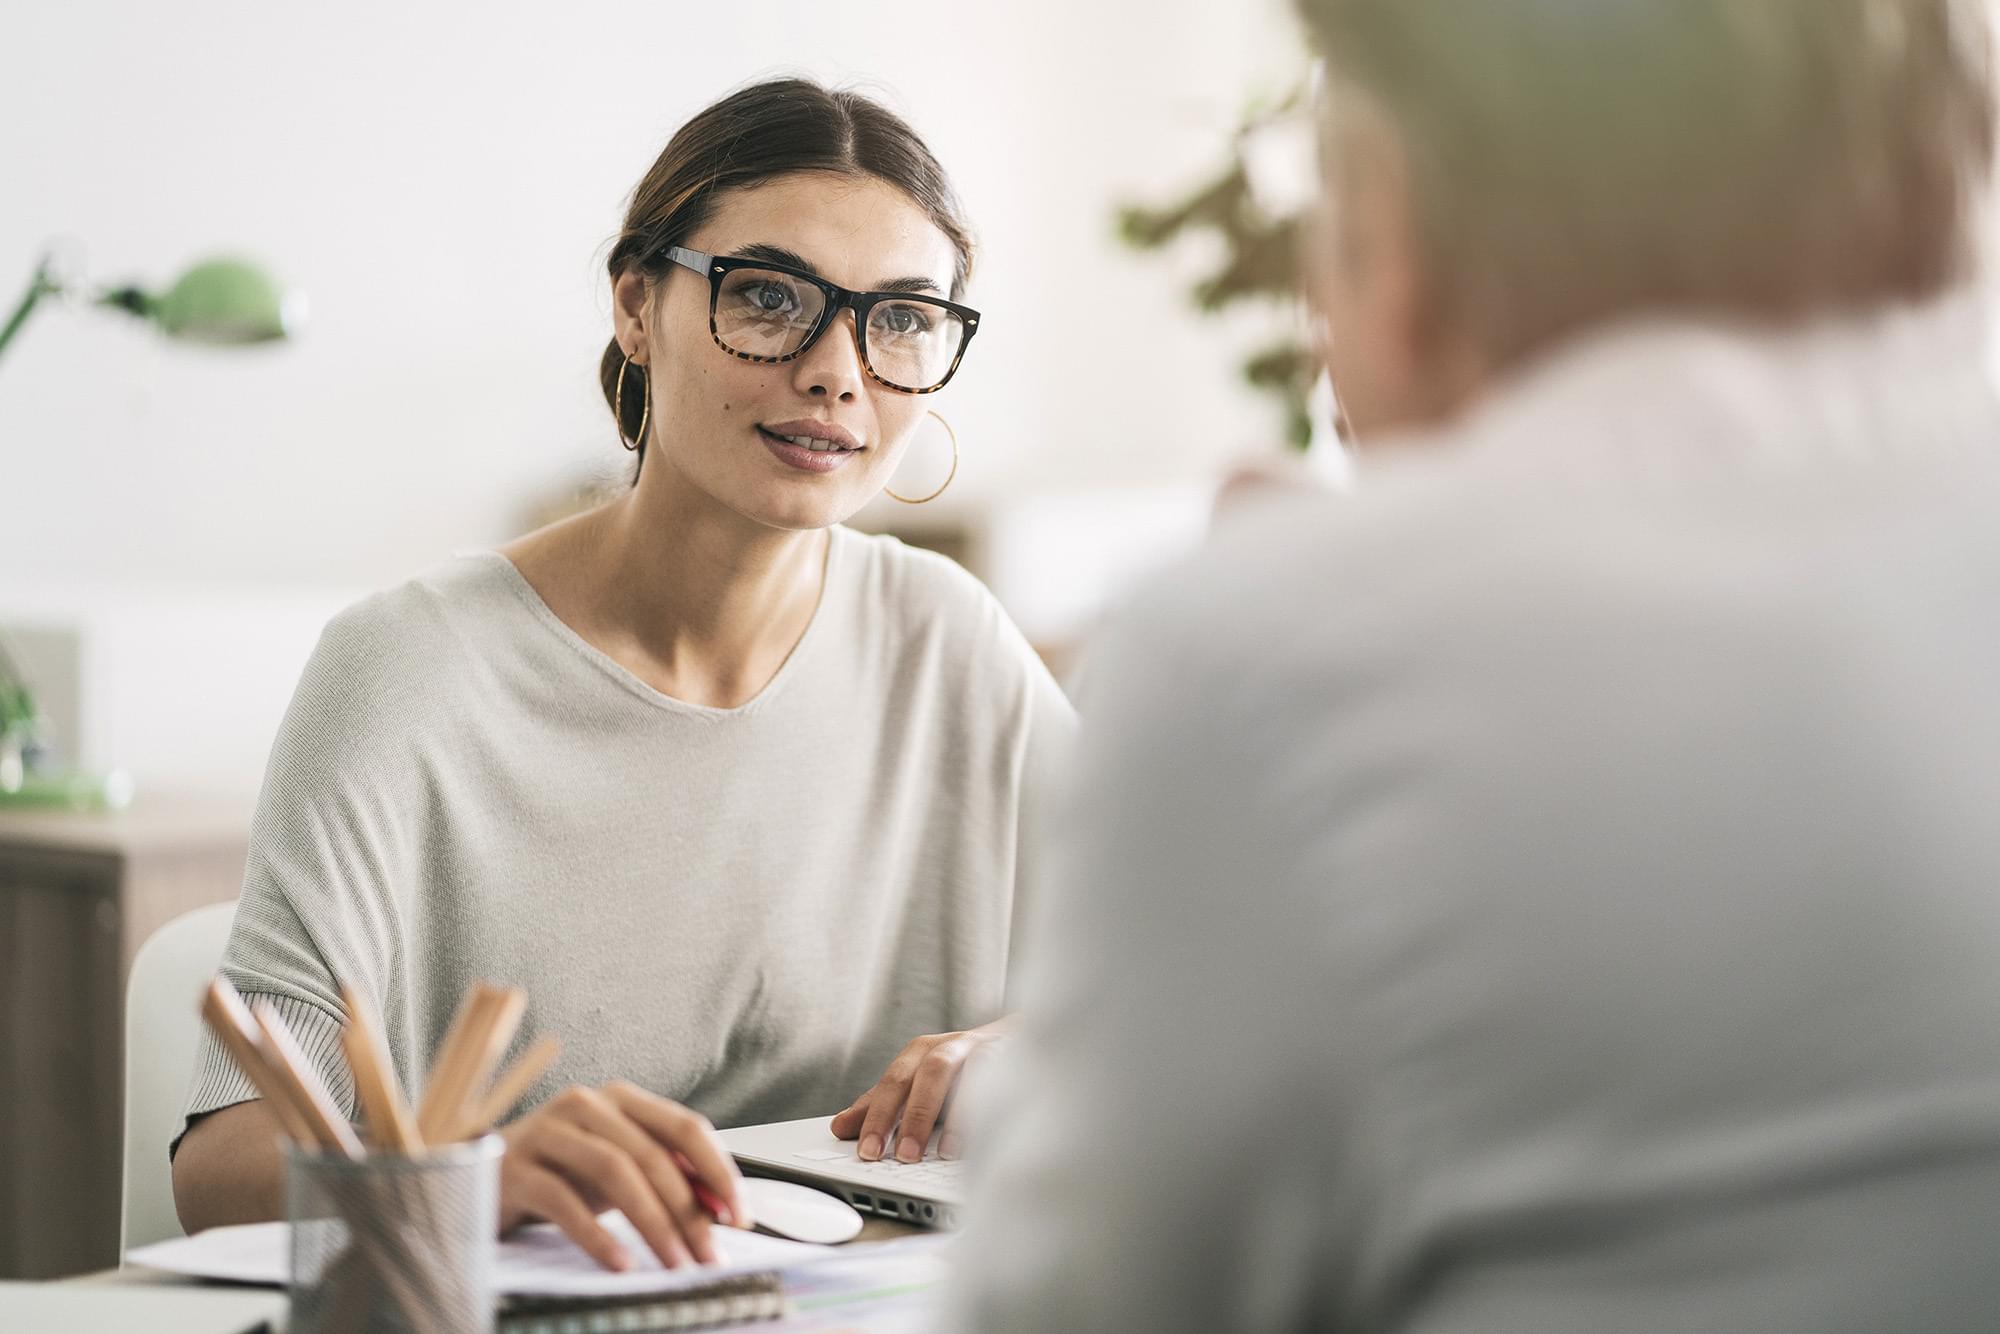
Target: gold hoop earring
{"type": "Point", "coordinates": [948, 476]}
{"type": "Point", "coordinates": [618, 411]}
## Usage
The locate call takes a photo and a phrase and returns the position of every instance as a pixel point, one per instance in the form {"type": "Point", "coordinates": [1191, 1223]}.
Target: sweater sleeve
{"type": "Point", "coordinates": [330, 846]}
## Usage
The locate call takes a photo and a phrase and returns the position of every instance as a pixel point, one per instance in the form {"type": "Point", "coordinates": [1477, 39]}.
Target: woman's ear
{"type": "Point", "coordinates": [631, 314]}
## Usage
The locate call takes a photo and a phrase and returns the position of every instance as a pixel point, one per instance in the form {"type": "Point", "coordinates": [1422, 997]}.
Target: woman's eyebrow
{"type": "Point", "coordinates": [777, 254]}
{"type": "Point", "coordinates": [910, 285]}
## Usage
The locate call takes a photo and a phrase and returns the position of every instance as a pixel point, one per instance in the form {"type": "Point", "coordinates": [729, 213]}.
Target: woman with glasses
{"type": "Point", "coordinates": [735, 793]}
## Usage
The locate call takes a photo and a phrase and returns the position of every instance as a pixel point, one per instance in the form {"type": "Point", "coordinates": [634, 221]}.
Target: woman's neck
{"type": "Point", "coordinates": [694, 599]}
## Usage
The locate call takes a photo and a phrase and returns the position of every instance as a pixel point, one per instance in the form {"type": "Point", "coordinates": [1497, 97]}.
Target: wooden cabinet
{"type": "Point", "coordinates": [79, 893]}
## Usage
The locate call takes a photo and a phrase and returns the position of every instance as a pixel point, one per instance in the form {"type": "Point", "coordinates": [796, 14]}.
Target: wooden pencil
{"type": "Point", "coordinates": [447, 1057]}
{"type": "Point", "coordinates": [508, 1088]}
{"type": "Point", "coordinates": [495, 1015]}
{"type": "Point", "coordinates": [390, 1122]}
{"type": "Point", "coordinates": [317, 1104]}
{"type": "Point", "coordinates": [232, 1025]}
{"type": "Point", "coordinates": [503, 1020]}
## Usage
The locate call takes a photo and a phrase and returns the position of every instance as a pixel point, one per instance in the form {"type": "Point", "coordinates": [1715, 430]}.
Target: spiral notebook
{"type": "Point", "coordinates": [549, 1285]}
{"type": "Point", "coordinates": [737, 1300]}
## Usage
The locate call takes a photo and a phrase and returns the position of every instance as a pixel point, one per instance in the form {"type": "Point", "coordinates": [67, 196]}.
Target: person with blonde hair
{"type": "Point", "coordinates": [1554, 888]}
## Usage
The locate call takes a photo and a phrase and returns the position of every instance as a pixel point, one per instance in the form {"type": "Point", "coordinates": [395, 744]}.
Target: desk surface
{"type": "Point", "coordinates": [157, 1310]}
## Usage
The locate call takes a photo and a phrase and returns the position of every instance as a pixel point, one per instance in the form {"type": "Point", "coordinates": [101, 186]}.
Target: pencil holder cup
{"type": "Point", "coordinates": [394, 1245]}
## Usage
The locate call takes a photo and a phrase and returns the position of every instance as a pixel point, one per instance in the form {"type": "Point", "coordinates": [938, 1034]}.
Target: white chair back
{"type": "Point", "coordinates": [162, 1022]}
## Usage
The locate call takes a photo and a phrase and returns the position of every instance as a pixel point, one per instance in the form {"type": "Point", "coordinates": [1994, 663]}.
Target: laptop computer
{"type": "Point", "coordinates": [928, 1192]}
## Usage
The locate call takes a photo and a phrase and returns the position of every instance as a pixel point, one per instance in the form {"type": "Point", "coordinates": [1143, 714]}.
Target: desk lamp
{"type": "Point", "coordinates": [223, 302]}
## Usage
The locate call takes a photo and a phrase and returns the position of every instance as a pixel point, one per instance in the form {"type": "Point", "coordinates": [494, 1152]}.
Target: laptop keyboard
{"type": "Point", "coordinates": [928, 1175]}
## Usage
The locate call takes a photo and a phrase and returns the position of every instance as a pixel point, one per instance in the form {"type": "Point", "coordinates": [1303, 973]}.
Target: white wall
{"type": "Point", "coordinates": [440, 179]}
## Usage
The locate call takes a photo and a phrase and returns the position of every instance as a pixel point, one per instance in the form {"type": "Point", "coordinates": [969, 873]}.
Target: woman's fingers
{"type": "Point", "coordinates": [622, 1146]}
{"type": "Point", "coordinates": [600, 1166]}
{"type": "Point", "coordinates": [885, 1104]}
{"type": "Point", "coordinates": [951, 1134]}
{"type": "Point", "coordinates": [929, 1088]}
{"type": "Point", "coordinates": [847, 1124]}
{"type": "Point", "coordinates": [911, 1095]}
{"type": "Point", "coordinates": [543, 1194]}
{"type": "Point", "coordinates": [972, 1073]}
{"type": "Point", "coordinates": [912, 1092]}
{"type": "Point", "coordinates": [678, 1128]}
{"type": "Point", "coordinates": [603, 1115]}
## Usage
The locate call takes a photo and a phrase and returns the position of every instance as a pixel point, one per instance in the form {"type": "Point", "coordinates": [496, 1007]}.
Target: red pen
{"type": "Point", "coordinates": [708, 1199]}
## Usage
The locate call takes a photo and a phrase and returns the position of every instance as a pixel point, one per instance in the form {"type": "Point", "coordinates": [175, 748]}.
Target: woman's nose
{"type": "Point", "coordinates": [831, 368]}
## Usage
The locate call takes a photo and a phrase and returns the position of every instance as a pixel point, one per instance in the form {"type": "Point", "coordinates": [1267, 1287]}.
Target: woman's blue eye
{"type": "Point", "coordinates": [765, 296]}
{"type": "Point", "coordinates": [904, 320]}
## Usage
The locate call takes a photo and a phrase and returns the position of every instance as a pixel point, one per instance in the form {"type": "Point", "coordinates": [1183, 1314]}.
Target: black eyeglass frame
{"type": "Point", "coordinates": [717, 267]}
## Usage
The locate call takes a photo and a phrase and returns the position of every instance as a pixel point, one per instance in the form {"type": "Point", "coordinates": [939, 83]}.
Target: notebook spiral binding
{"type": "Point", "coordinates": [739, 1300]}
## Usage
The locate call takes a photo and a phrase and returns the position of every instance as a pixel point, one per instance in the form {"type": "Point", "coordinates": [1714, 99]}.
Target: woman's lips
{"type": "Point", "coordinates": [813, 432]}
{"type": "Point", "coordinates": [805, 460]}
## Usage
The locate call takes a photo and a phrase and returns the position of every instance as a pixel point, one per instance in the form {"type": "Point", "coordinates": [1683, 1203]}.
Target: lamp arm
{"type": "Point", "coordinates": [41, 285]}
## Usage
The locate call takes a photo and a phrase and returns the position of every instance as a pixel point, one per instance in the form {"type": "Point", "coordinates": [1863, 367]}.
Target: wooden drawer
{"type": "Point", "coordinates": [79, 893]}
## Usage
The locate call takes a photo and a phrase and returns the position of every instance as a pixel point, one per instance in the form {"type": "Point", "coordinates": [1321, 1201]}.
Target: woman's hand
{"type": "Point", "coordinates": [914, 1091]}
{"type": "Point", "coordinates": [589, 1149]}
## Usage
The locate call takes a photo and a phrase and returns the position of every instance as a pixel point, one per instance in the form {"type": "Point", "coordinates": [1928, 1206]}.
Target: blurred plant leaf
{"type": "Point", "coordinates": [1214, 205]}
{"type": "Point", "coordinates": [1260, 260]}
{"type": "Point", "coordinates": [1280, 366]}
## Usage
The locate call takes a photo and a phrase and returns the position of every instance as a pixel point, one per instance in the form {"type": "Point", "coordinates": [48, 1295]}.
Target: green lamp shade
{"type": "Point", "coordinates": [225, 301]}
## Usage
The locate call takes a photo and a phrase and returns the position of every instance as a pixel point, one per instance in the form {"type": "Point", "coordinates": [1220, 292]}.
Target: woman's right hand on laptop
{"type": "Point", "coordinates": [590, 1149]}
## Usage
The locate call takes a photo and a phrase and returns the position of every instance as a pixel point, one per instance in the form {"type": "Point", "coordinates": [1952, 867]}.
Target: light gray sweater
{"type": "Point", "coordinates": [1555, 890]}
{"type": "Point", "coordinates": [749, 910]}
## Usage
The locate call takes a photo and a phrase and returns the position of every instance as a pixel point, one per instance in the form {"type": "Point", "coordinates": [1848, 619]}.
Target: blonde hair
{"type": "Point", "coordinates": [1572, 160]}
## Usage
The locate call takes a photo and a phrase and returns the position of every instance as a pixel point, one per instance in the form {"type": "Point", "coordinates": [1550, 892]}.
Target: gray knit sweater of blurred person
{"type": "Point", "coordinates": [1554, 890]}
{"type": "Point", "coordinates": [749, 910]}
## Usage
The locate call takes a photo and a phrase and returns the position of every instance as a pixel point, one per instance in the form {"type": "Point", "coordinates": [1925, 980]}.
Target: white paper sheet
{"type": "Point", "coordinates": [890, 1287]}
{"type": "Point", "coordinates": [537, 1260]}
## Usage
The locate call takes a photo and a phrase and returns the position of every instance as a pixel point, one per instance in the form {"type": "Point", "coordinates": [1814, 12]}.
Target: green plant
{"type": "Point", "coordinates": [1260, 264]}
